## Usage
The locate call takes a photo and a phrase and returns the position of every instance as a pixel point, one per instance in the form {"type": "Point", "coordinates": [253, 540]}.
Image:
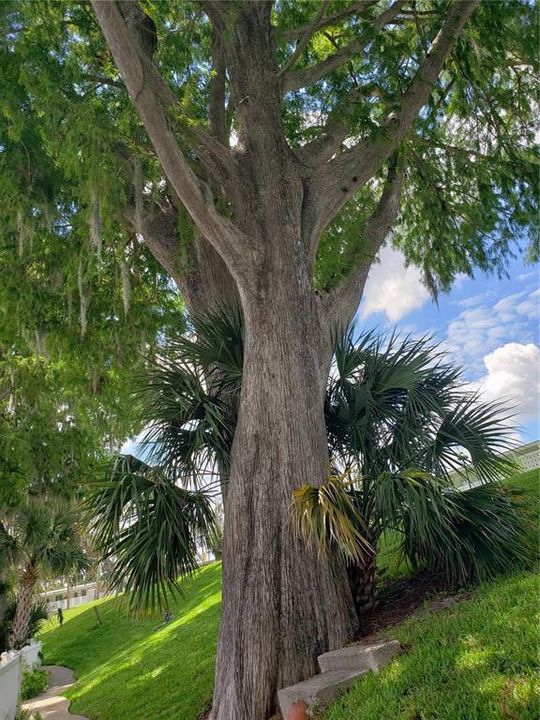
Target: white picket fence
{"type": "Point", "coordinates": [11, 667]}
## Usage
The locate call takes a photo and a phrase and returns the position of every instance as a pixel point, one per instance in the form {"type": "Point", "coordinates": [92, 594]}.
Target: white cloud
{"type": "Point", "coordinates": [393, 288]}
{"type": "Point", "coordinates": [473, 300]}
{"type": "Point", "coordinates": [482, 328]}
{"type": "Point", "coordinates": [513, 375]}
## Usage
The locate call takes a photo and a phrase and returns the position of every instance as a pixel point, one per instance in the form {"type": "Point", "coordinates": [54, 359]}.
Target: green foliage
{"type": "Point", "coordinates": [81, 301]}
{"type": "Point", "coordinates": [486, 533]}
{"type": "Point", "coordinates": [70, 138]}
{"type": "Point", "coordinates": [44, 533]}
{"type": "Point", "coordinates": [34, 682]}
{"type": "Point", "coordinates": [150, 526]}
{"type": "Point", "coordinates": [398, 418]}
{"type": "Point", "coordinates": [39, 537]}
{"type": "Point", "coordinates": [188, 397]}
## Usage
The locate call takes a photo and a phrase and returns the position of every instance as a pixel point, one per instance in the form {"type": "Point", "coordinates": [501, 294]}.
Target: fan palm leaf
{"type": "Point", "coordinates": [149, 525]}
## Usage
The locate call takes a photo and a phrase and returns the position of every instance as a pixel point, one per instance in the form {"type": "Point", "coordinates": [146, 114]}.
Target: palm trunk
{"type": "Point", "coordinates": [363, 582]}
{"type": "Point", "coordinates": [19, 627]}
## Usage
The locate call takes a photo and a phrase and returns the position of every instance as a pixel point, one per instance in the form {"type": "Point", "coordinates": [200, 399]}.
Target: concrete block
{"type": "Point", "coordinates": [372, 656]}
{"type": "Point", "coordinates": [321, 689]}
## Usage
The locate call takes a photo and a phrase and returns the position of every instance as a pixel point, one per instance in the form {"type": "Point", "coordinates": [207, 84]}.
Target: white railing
{"type": "Point", "coordinates": [10, 684]}
{"type": "Point", "coordinates": [11, 667]}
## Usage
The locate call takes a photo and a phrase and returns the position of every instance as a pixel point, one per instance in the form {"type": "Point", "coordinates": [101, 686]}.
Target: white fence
{"type": "Point", "coordinates": [10, 685]}
{"type": "Point", "coordinates": [11, 667]}
{"type": "Point", "coordinates": [69, 597]}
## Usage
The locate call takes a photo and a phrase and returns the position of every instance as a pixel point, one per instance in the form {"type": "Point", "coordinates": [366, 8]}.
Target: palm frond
{"type": "Point", "coordinates": [326, 518]}
{"type": "Point", "coordinates": [491, 534]}
{"type": "Point", "coordinates": [188, 400]}
{"type": "Point", "coordinates": [473, 435]}
{"type": "Point", "coordinates": [413, 502]}
{"type": "Point", "coordinates": [149, 526]}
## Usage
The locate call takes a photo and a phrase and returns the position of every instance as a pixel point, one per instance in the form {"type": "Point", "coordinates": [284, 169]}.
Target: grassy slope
{"type": "Point", "coordinates": [470, 662]}
{"type": "Point", "coordinates": [127, 670]}
{"type": "Point", "coordinates": [476, 660]}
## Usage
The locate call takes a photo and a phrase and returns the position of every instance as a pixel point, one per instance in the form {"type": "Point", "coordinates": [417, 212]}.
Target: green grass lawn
{"type": "Point", "coordinates": [476, 660]}
{"type": "Point", "coordinates": [472, 661]}
{"type": "Point", "coordinates": [128, 670]}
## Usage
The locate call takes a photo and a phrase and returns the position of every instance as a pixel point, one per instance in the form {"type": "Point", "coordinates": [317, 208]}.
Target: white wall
{"type": "Point", "coordinates": [11, 667]}
{"type": "Point", "coordinates": [10, 684]}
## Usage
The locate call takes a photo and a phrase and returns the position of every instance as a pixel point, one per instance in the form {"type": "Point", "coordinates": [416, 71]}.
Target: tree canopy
{"type": "Point", "coordinates": [80, 180]}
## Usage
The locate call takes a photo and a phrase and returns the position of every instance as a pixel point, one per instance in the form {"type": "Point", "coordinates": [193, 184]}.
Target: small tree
{"type": "Point", "coordinates": [39, 537]}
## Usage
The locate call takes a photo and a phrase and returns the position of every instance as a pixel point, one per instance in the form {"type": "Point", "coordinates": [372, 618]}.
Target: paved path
{"type": "Point", "coordinates": [51, 705]}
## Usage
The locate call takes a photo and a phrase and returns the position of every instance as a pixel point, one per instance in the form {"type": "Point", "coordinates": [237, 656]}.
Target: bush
{"type": "Point", "coordinates": [34, 682]}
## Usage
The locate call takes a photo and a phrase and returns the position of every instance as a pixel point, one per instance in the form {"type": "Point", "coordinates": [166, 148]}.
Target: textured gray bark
{"type": "Point", "coordinates": [19, 626]}
{"type": "Point", "coordinates": [281, 605]}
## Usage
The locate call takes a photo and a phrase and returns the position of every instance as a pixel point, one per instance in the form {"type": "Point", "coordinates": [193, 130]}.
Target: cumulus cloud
{"type": "Point", "coordinates": [393, 288]}
{"type": "Point", "coordinates": [513, 376]}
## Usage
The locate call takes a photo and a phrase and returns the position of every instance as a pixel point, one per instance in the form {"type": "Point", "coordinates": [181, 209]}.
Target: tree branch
{"type": "Point", "coordinates": [152, 98]}
{"type": "Point", "coordinates": [336, 129]}
{"type": "Point", "coordinates": [310, 75]}
{"type": "Point", "coordinates": [100, 80]}
{"type": "Point", "coordinates": [356, 8]}
{"type": "Point", "coordinates": [340, 304]}
{"type": "Point", "coordinates": [305, 38]}
{"type": "Point", "coordinates": [160, 234]}
{"type": "Point", "coordinates": [340, 178]}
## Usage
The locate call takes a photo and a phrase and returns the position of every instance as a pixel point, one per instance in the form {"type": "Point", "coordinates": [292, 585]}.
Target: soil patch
{"type": "Point", "coordinates": [399, 598]}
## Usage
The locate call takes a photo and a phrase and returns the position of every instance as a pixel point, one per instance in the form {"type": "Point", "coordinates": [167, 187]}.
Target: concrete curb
{"type": "Point", "coordinates": [339, 670]}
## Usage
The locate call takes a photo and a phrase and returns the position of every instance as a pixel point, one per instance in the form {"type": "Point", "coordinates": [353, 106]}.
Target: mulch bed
{"type": "Point", "coordinates": [399, 598]}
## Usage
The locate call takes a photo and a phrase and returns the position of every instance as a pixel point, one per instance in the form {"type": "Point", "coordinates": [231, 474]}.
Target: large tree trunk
{"type": "Point", "coordinates": [282, 606]}
{"type": "Point", "coordinates": [19, 627]}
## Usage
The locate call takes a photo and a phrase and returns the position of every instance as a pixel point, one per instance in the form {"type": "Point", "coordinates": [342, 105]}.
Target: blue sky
{"type": "Point", "coordinates": [488, 325]}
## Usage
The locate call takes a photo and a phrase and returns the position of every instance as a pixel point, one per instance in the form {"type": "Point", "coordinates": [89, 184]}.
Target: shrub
{"type": "Point", "coordinates": [34, 682]}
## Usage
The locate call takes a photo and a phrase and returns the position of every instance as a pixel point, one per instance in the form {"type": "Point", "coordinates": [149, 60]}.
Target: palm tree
{"type": "Point", "coordinates": [399, 423]}
{"type": "Point", "coordinates": [39, 537]}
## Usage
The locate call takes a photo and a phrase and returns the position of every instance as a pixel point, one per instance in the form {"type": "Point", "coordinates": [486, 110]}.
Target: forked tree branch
{"type": "Point", "coordinates": [342, 301]}
{"type": "Point", "coordinates": [341, 178]}
{"type": "Point", "coordinates": [160, 234]}
{"type": "Point", "coordinates": [314, 73]}
{"type": "Point", "coordinates": [151, 97]}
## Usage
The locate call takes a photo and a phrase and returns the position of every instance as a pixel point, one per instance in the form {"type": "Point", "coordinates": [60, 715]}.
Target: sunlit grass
{"type": "Point", "coordinates": [127, 669]}
{"type": "Point", "coordinates": [476, 660]}
{"type": "Point", "coordinates": [472, 661]}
